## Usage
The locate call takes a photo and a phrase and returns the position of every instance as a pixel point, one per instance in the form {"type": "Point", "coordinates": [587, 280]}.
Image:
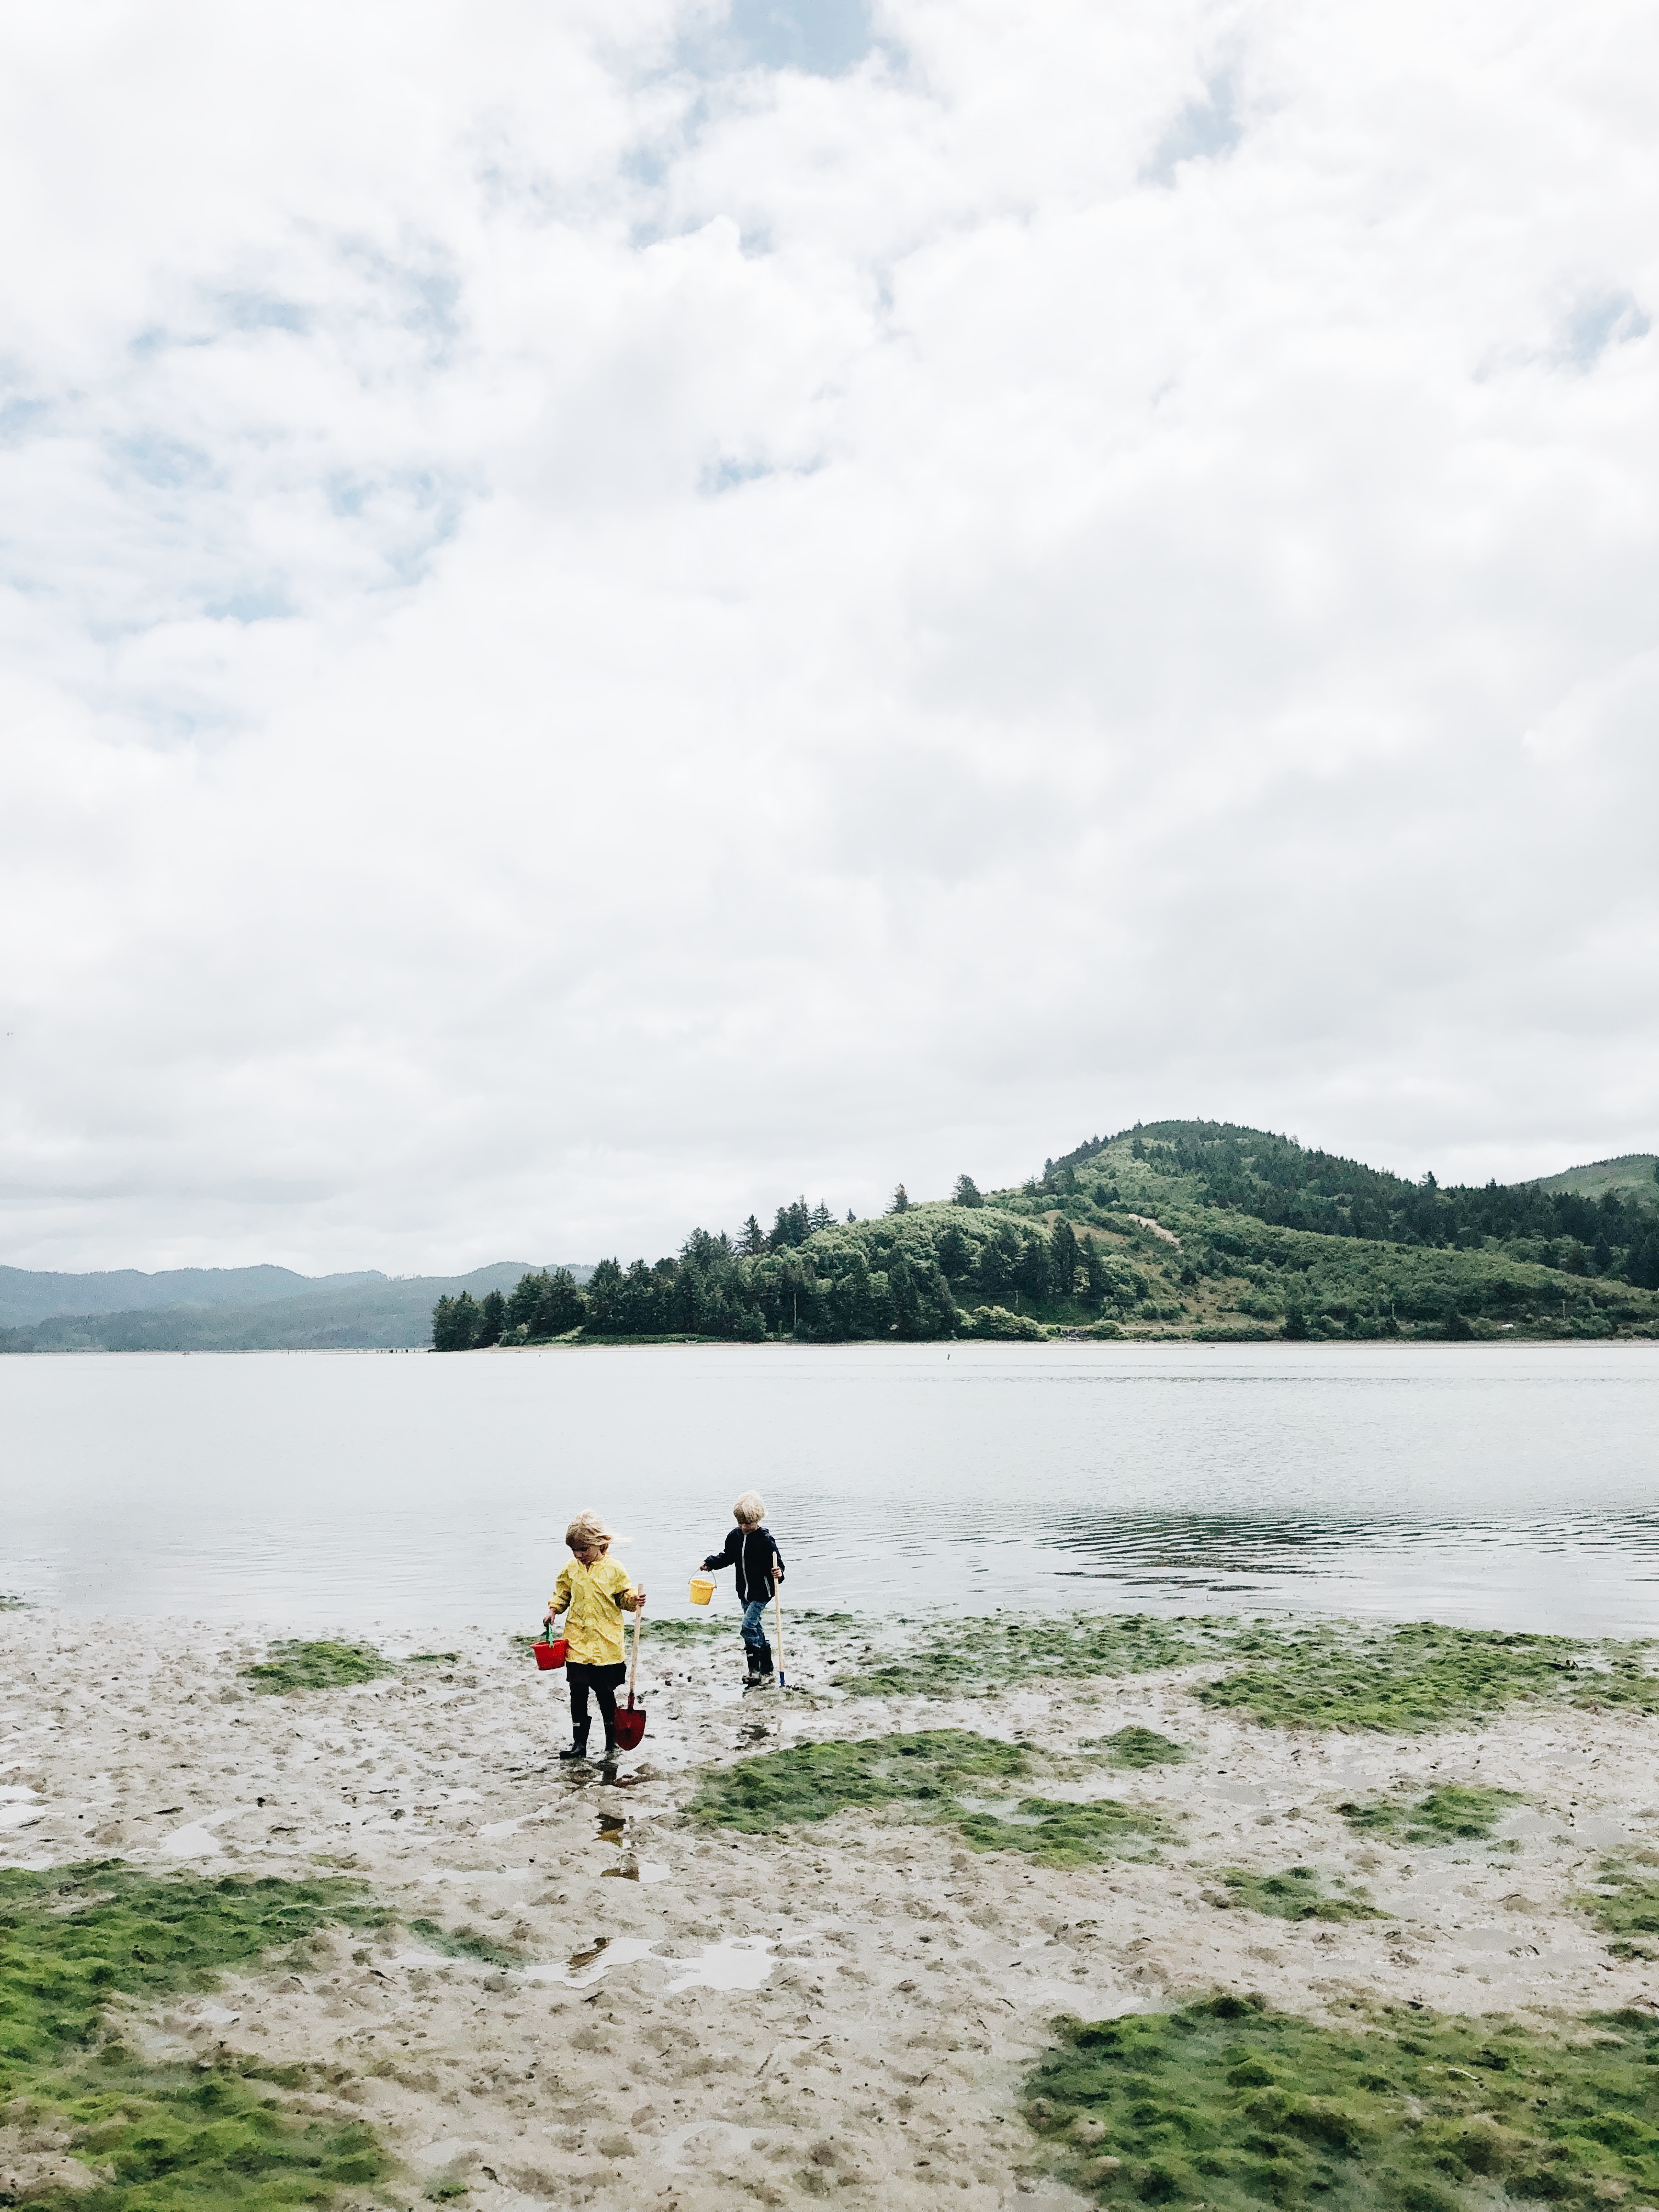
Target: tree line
{"type": "Point", "coordinates": [910, 1274]}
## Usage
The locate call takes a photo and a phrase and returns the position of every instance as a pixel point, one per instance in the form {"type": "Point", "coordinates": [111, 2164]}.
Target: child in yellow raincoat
{"type": "Point", "coordinates": [596, 1590]}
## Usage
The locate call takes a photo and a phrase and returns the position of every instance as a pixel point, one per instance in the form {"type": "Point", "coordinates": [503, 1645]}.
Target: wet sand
{"type": "Point", "coordinates": [848, 2010]}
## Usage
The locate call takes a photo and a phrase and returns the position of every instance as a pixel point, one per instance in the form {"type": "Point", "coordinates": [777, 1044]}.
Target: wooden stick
{"type": "Point", "coordinates": [777, 1600]}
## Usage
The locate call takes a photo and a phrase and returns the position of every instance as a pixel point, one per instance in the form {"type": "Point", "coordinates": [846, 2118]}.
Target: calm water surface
{"type": "Point", "coordinates": [1511, 1487]}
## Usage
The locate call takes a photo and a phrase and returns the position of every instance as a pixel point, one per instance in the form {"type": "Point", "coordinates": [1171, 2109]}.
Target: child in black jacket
{"type": "Point", "coordinates": [751, 1549]}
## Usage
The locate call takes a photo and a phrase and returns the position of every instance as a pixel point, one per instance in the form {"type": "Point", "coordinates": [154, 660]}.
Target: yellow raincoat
{"type": "Point", "coordinates": [595, 1626]}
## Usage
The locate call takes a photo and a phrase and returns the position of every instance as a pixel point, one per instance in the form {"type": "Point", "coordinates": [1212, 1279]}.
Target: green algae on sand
{"type": "Point", "coordinates": [1299, 1893]}
{"type": "Point", "coordinates": [1422, 1676]}
{"type": "Point", "coordinates": [936, 1774]}
{"type": "Point", "coordinates": [1455, 1813]}
{"type": "Point", "coordinates": [316, 1666]}
{"type": "Point", "coordinates": [810, 1782]}
{"type": "Point", "coordinates": [1229, 2105]}
{"type": "Point", "coordinates": [164, 2138]}
{"type": "Point", "coordinates": [1136, 1747]}
{"type": "Point", "coordinates": [1625, 1902]}
{"type": "Point", "coordinates": [1062, 1832]}
{"type": "Point", "coordinates": [464, 1943]}
{"type": "Point", "coordinates": [980, 1656]}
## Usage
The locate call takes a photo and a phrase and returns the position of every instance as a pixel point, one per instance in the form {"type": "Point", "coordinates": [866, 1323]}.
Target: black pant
{"type": "Point", "coordinates": [604, 1682]}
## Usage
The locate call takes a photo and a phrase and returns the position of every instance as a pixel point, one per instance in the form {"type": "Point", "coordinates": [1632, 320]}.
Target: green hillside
{"type": "Point", "coordinates": [1171, 1229]}
{"type": "Point", "coordinates": [1633, 1175]}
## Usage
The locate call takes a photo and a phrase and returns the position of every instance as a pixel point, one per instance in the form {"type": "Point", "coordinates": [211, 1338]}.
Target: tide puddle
{"type": "Point", "coordinates": [737, 1962]}
{"type": "Point", "coordinates": [583, 1968]}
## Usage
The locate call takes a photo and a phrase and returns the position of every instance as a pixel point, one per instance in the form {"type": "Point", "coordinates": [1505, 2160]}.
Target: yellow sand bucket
{"type": "Point", "coordinates": [701, 1589]}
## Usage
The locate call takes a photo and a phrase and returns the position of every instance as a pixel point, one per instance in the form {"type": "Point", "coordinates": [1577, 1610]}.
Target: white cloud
{"type": "Point", "coordinates": [610, 615]}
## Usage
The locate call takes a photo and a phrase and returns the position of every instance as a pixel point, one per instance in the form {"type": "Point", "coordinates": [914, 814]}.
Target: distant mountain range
{"type": "Point", "coordinates": [233, 1309]}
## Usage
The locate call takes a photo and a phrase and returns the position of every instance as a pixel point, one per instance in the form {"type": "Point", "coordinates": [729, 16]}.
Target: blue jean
{"type": "Point", "coordinates": [754, 1635]}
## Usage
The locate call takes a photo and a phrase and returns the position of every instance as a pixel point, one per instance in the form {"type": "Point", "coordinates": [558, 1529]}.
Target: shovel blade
{"type": "Point", "coordinates": [630, 1726]}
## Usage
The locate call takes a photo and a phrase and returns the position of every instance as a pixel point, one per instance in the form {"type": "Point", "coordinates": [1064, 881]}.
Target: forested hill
{"type": "Point", "coordinates": [1168, 1228]}
{"type": "Point", "coordinates": [1276, 1179]}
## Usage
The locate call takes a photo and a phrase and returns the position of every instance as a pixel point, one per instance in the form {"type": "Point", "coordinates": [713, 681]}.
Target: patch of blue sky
{"type": "Point", "coordinates": [818, 38]}
{"type": "Point", "coordinates": [725, 474]}
{"type": "Point", "coordinates": [251, 602]}
{"type": "Point", "coordinates": [424, 296]}
{"type": "Point", "coordinates": [21, 418]}
{"type": "Point", "coordinates": [165, 464]}
{"type": "Point", "coordinates": [1204, 130]}
{"type": "Point", "coordinates": [405, 516]}
{"type": "Point", "coordinates": [261, 311]}
{"type": "Point", "coordinates": [1604, 319]}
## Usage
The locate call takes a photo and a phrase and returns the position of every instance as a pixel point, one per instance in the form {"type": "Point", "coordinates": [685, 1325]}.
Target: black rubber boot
{"type": "Point", "coordinates": [766, 1666]}
{"type": "Point", "coordinates": [609, 1744]}
{"type": "Point", "coordinates": [754, 1659]}
{"type": "Point", "coordinates": [578, 1741]}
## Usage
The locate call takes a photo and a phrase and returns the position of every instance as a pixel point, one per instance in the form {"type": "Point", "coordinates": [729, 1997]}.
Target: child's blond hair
{"type": "Point", "coordinates": [749, 1510]}
{"type": "Point", "coordinates": [588, 1532]}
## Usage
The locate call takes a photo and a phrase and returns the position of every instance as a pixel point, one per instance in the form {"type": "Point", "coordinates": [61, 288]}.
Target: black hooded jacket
{"type": "Point", "coordinates": [752, 1551]}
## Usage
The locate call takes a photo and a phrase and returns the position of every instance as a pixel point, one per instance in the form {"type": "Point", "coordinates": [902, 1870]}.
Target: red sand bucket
{"type": "Point", "coordinates": [549, 1655]}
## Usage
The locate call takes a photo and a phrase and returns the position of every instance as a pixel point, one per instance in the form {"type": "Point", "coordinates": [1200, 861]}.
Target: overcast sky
{"type": "Point", "coordinates": [616, 610]}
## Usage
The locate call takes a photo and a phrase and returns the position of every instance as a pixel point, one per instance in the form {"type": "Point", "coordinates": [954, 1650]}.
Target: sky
{"type": "Point", "coordinates": [611, 612]}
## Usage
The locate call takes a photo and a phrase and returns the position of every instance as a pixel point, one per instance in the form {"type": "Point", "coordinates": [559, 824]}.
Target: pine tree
{"type": "Point", "coordinates": [604, 1299]}
{"type": "Point", "coordinates": [966, 1192]}
{"type": "Point", "coordinates": [1062, 1252]}
{"type": "Point", "coordinates": [456, 1323]}
{"type": "Point", "coordinates": [526, 1297]}
{"type": "Point", "coordinates": [899, 1201]}
{"type": "Point", "coordinates": [1034, 1276]}
{"type": "Point", "coordinates": [902, 1287]}
{"type": "Point", "coordinates": [952, 1254]}
{"type": "Point", "coordinates": [560, 1306]}
{"type": "Point", "coordinates": [751, 1238]}
{"type": "Point", "coordinates": [492, 1317]}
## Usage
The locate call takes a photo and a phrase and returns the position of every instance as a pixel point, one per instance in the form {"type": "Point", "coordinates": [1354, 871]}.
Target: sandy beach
{"type": "Point", "coordinates": [695, 2016]}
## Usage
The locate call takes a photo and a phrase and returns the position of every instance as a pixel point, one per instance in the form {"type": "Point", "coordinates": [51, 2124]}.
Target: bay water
{"type": "Point", "coordinates": [1512, 1486]}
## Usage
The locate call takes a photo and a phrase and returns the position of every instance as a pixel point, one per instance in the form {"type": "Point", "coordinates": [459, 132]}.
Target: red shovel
{"type": "Point", "coordinates": [630, 1721]}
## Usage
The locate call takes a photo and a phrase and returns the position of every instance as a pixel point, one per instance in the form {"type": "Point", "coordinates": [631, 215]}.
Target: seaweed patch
{"type": "Point", "coordinates": [810, 1782]}
{"type": "Point", "coordinates": [1455, 1813]}
{"type": "Point", "coordinates": [979, 1656]}
{"type": "Point", "coordinates": [1227, 2104]}
{"type": "Point", "coordinates": [936, 1774]}
{"type": "Point", "coordinates": [1059, 1832]}
{"type": "Point", "coordinates": [318, 1666]}
{"type": "Point", "coordinates": [1136, 1747]}
{"type": "Point", "coordinates": [1624, 1903]}
{"type": "Point", "coordinates": [464, 1943]}
{"type": "Point", "coordinates": [160, 2138]}
{"type": "Point", "coordinates": [1300, 1893]}
{"type": "Point", "coordinates": [1407, 1680]}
